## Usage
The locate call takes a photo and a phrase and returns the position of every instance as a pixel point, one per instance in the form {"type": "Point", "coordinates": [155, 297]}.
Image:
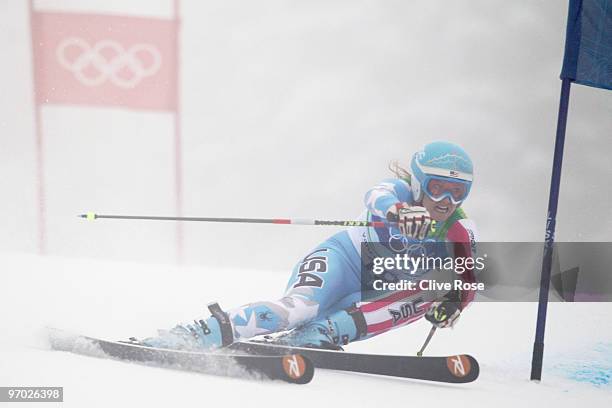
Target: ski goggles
{"type": "Point", "coordinates": [438, 188]}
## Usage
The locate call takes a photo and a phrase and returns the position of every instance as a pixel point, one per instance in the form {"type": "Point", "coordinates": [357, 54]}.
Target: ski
{"type": "Point", "coordinates": [290, 367]}
{"type": "Point", "coordinates": [461, 368]}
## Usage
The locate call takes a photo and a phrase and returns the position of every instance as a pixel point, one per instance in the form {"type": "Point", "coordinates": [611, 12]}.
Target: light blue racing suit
{"type": "Point", "coordinates": [323, 297]}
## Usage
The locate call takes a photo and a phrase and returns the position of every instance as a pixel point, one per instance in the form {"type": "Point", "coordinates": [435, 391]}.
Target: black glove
{"type": "Point", "coordinates": [443, 314]}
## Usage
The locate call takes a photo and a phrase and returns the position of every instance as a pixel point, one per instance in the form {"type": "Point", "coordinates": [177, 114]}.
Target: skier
{"type": "Point", "coordinates": [323, 306]}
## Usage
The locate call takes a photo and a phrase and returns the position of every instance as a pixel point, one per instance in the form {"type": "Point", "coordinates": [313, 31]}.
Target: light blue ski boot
{"type": "Point", "coordinates": [214, 332]}
{"type": "Point", "coordinates": [331, 332]}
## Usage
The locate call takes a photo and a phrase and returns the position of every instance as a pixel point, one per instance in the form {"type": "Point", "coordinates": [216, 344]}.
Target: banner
{"type": "Point", "coordinates": [588, 43]}
{"type": "Point", "coordinates": [104, 60]}
{"type": "Point", "coordinates": [108, 60]}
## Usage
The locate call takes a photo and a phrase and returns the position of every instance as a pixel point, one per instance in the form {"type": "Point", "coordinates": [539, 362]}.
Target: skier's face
{"type": "Point", "coordinates": [441, 210]}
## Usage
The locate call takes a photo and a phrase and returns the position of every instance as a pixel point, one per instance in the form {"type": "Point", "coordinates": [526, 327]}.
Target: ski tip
{"type": "Point", "coordinates": [463, 367]}
{"type": "Point", "coordinates": [90, 216]}
{"type": "Point", "coordinates": [297, 368]}
{"type": "Point", "coordinates": [59, 339]}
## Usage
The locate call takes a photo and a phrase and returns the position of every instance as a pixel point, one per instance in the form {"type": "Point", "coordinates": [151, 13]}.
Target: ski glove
{"type": "Point", "coordinates": [443, 314]}
{"type": "Point", "coordinates": [413, 221]}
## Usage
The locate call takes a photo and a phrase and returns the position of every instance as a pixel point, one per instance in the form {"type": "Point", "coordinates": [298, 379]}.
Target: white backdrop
{"type": "Point", "coordinates": [294, 109]}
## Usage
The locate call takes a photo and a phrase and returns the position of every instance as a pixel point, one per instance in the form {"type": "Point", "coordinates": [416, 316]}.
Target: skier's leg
{"type": "Point", "coordinates": [337, 328]}
{"type": "Point", "coordinates": [326, 275]}
{"type": "Point", "coordinates": [319, 280]}
{"type": "Point", "coordinates": [342, 325]}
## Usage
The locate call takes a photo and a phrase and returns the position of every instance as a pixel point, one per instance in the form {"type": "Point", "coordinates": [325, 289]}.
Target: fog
{"type": "Point", "coordinates": [294, 109]}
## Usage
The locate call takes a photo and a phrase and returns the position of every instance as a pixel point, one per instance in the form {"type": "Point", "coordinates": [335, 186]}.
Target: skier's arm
{"type": "Point", "coordinates": [385, 195]}
{"type": "Point", "coordinates": [463, 235]}
{"type": "Point", "coordinates": [446, 311]}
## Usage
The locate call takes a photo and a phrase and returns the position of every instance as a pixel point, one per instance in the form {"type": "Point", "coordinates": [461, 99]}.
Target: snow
{"type": "Point", "coordinates": [294, 110]}
{"type": "Point", "coordinates": [116, 300]}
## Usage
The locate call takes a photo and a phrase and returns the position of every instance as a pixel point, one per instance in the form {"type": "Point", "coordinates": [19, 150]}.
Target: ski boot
{"type": "Point", "coordinates": [329, 333]}
{"type": "Point", "coordinates": [214, 332]}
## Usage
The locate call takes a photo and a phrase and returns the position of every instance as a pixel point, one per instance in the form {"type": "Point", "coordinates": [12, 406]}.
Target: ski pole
{"type": "Point", "coordinates": [429, 336]}
{"type": "Point", "coordinates": [295, 221]}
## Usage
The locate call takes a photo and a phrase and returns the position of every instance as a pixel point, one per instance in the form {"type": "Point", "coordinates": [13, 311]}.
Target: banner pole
{"type": "Point", "coordinates": [178, 154]}
{"type": "Point", "coordinates": [555, 181]}
{"type": "Point", "coordinates": [38, 146]}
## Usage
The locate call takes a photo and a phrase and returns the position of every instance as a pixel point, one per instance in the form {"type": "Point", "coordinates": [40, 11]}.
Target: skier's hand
{"type": "Point", "coordinates": [443, 314]}
{"type": "Point", "coordinates": [413, 221]}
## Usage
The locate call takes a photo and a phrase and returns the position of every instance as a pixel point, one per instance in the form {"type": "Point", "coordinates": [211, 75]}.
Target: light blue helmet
{"type": "Point", "coordinates": [442, 161]}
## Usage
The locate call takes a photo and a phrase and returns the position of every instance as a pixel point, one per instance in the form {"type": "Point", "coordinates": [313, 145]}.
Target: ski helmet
{"type": "Point", "coordinates": [443, 161]}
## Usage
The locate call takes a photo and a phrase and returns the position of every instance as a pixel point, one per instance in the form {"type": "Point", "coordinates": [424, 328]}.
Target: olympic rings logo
{"type": "Point", "coordinates": [400, 243]}
{"type": "Point", "coordinates": [108, 61]}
